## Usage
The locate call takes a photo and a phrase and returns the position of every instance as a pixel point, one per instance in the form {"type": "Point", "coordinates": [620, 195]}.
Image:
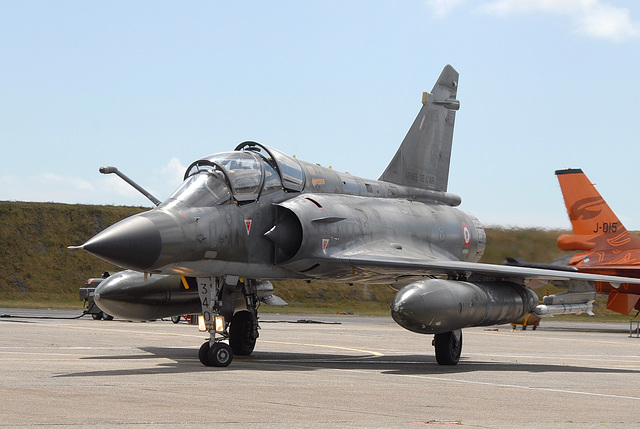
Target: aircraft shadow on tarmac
{"type": "Point", "coordinates": [186, 361]}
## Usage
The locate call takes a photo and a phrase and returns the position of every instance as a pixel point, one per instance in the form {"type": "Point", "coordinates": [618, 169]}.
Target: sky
{"type": "Point", "coordinates": [151, 86]}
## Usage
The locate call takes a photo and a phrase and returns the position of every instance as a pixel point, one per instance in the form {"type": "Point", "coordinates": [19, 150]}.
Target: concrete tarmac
{"type": "Point", "coordinates": [349, 372]}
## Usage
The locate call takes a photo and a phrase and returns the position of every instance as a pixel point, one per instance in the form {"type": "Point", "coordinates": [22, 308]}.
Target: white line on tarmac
{"type": "Point", "coordinates": [509, 386]}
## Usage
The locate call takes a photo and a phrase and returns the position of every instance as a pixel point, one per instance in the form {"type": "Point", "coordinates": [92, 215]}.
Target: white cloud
{"type": "Point", "coordinates": [50, 177]}
{"type": "Point", "coordinates": [507, 7]}
{"type": "Point", "coordinates": [592, 18]}
{"type": "Point", "coordinates": [442, 8]}
{"type": "Point", "coordinates": [112, 185]}
{"type": "Point", "coordinates": [48, 180]}
{"type": "Point", "coordinates": [608, 22]}
{"type": "Point", "coordinates": [48, 186]}
{"type": "Point", "coordinates": [174, 171]}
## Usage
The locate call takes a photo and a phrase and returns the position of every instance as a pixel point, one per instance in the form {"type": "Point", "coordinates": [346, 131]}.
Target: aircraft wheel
{"type": "Point", "coordinates": [106, 316]}
{"type": "Point", "coordinates": [175, 319]}
{"type": "Point", "coordinates": [241, 334]}
{"type": "Point", "coordinates": [448, 347]}
{"type": "Point", "coordinates": [97, 316]}
{"type": "Point", "coordinates": [203, 354]}
{"type": "Point", "coordinates": [220, 355]}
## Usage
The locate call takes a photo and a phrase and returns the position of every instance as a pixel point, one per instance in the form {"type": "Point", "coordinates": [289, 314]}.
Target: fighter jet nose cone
{"type": "Point", "coordinates": [133, 243]}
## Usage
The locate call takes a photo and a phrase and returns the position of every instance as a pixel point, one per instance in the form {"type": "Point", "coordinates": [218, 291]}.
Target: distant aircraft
{"type": "Point", "coordinates": [244, 217]}
{"type": "Point", "coordinates": [608, 247]}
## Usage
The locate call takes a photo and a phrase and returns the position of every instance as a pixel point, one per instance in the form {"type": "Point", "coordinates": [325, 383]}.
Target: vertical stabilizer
{"type": "Point", "coordinates": [595, 225]}
{"type": "Point", "coordinates": [422, 161]}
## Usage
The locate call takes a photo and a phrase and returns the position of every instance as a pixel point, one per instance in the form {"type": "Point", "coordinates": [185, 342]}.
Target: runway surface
{"type": "Point", "coordinates": [350, 372]}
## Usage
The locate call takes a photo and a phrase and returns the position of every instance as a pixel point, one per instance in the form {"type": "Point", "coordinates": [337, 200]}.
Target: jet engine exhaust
{"type": "Point", "coordinates": [435, 306]}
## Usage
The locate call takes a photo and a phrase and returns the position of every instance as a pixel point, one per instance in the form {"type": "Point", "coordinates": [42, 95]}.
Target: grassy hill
{"type": "Point", "coordinates": [39, 271]}
{"type": "Point", "coordinates": [37, 268]}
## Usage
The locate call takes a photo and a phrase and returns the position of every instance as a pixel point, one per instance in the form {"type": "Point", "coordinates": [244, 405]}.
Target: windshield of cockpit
{"type": "Point", "coordinates": [205, 186]}
{"type": "Point", "coordinates": [244, 171]}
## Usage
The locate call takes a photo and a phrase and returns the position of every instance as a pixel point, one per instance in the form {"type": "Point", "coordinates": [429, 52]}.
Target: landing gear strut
{"type": "Point", "coordinates": [240, 329]}
{"type": "Point", "coordinates": [216, 296]}
{"type": "Point", "coordinates": [448, 347]}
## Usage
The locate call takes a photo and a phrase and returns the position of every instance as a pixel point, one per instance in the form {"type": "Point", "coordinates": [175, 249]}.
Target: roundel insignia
{"type": "Point", "coordinates": [466, 234]}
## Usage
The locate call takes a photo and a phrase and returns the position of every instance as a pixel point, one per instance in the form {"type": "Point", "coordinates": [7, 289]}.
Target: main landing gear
{"type": "Point", "coordinates": [448, 347]}
{"type": "Point", "coordinates": [224, 323]}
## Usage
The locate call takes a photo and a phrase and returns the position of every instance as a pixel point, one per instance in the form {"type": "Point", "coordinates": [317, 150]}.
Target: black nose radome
{"type": "Point", "coordinates": [133, 243]}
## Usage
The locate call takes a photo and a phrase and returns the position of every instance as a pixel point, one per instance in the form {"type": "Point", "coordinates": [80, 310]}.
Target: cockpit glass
{"type": "Point", "coordinates": [240, 176]}
{"type": "Point", "coordinates": [288, 168]}
{"type": "Point", "coordinates": [206, 188]}
{"type": "Point", "coordinates": [244, 172]}
{"type": "Point", "coordinates": [271, 180]}
{"type": "Point", "coordinates": [292, 175]}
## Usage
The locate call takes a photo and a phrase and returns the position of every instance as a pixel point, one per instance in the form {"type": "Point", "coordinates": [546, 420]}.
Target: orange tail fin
{"type": "Point", "coordinates": [595, 225]}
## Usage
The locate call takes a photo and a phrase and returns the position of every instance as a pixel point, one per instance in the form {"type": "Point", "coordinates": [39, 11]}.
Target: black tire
{"type": "Point", "coordinates": [97, 316]}
{"type": "Point", "coordinates": [241, 337]}
{"type": "Point", "coordinates": [448, 347]}
{"type": "Point", "coordinates": [220, 355]}
{"type": "Point", "coordinates": [175, 319]}
{"type": "Point", "coordinates": [107, 316]}
{"type": "Point", "coordinates": [203, 354]}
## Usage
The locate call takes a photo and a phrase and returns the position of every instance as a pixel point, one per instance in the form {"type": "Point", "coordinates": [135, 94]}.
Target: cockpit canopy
{"type": "Point", "coordinates": [246, 173]}
{"type": "Point", "coordinates": [205, 187]}
{"type": "Point", "coordinates": [287, 167]}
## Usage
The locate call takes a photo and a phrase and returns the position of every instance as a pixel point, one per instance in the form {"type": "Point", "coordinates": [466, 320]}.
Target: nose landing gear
{"type": "Point", "coordinates": [220, 354]}
{"type": "Point", "coordinates": [239, 328]}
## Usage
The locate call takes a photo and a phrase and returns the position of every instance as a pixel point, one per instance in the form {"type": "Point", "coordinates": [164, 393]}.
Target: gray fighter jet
{"type": "Point", "coordinates": [254, 214]}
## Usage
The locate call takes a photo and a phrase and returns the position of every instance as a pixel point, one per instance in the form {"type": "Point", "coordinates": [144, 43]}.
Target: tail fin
{"type": "Point", "coordinates": [595, 225]}
{"type": "Point", "coordinates": [422, 161]}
